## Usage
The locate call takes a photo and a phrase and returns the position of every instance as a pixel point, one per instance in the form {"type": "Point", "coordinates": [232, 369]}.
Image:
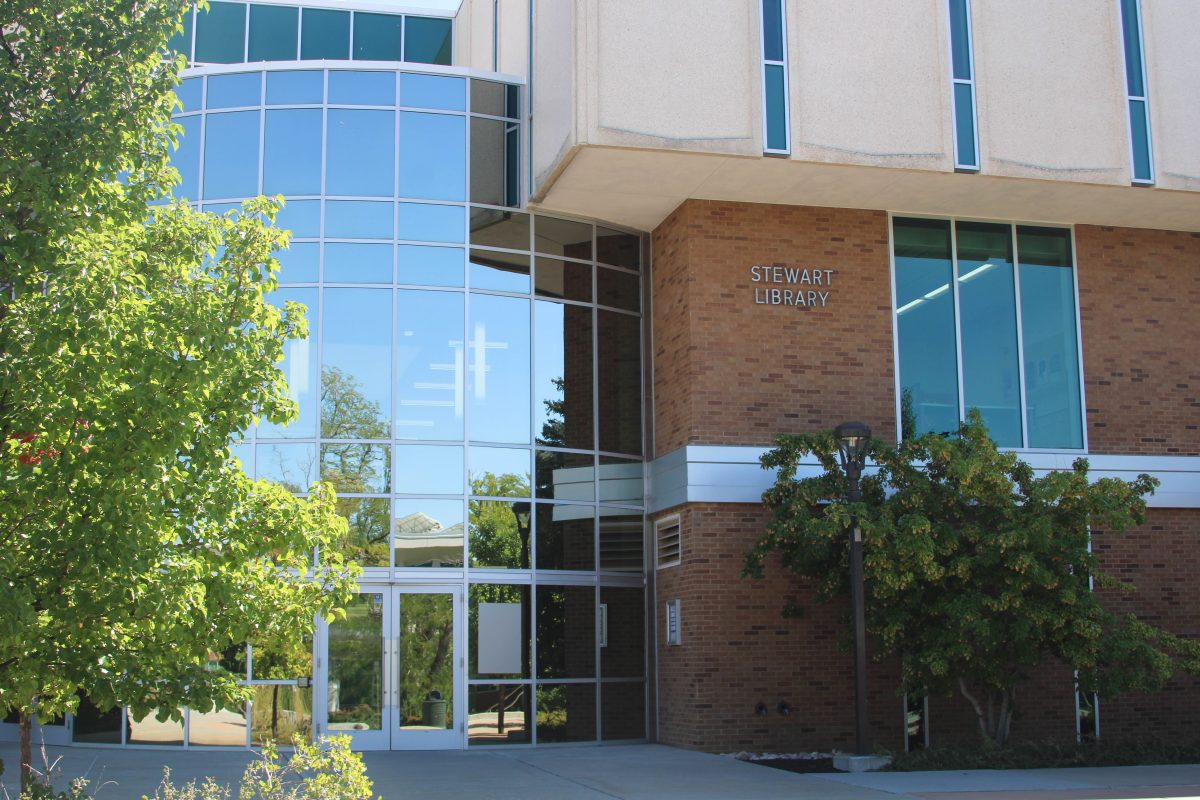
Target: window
{"type": "Point", "coordinates": [1140, 163]}
{"type": "Point", "coordinates": [962, 75]}
{"type": "Point", "coordinates": [985, 319]}
{"type": "Point", "coordinates": [774, 78]}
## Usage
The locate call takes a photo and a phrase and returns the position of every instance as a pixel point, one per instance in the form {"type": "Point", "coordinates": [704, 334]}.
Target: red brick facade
{"type": "Point", "coordinates": [728, 370]}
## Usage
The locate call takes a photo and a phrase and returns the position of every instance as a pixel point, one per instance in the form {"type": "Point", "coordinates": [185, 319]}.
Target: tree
{"type": "Point", "coordinates": [135, 343]}
{"type": "Point", "coordinates": [976, 570]}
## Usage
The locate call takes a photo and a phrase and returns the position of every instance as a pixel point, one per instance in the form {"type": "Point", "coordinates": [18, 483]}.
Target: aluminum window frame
{"type": "Point", "coordinates": [959, 164]}
{"type": "Point", "coordinates": [1131, 98]}
{"type": "Point", "coordinates": [764, 63]}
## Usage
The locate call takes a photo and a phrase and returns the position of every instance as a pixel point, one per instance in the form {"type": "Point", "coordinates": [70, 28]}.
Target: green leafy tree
{"type": "Point", "coordinates": [135, 342]}
{"type": "Point", "coordinates": [976, 570]}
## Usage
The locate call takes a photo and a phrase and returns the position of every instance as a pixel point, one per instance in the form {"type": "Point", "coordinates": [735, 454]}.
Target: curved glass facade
{"type": "Point", "coordinates": [471, 385]}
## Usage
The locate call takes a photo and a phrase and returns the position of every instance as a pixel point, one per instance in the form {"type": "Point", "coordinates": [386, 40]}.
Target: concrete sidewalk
{"type": "Point", "coordinates": [628, 772]}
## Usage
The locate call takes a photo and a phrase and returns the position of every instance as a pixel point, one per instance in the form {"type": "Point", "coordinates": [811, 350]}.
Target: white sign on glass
{"type": "Point", "coordinates": [499, 640]}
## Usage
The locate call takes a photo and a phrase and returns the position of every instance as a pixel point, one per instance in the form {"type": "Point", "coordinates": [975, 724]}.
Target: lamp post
{"type": "Point", "coordinates": [852, 440]}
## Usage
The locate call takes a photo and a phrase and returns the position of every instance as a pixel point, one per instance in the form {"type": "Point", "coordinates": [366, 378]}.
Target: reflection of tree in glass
{"type": "Point", "coordinates": [355, 665]}
{"type": "Point", "coordinates": [496, 538]}
{"type": "Point", "coordinates": [426, 653]}
{"type": "Point", "coordinates": [356, 468]}
{"type": "Point", "coordinates": [554, 433]}
{"type": "Point", "coordinates": [280, 712]}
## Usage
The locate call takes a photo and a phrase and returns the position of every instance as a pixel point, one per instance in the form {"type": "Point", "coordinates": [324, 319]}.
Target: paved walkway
{"type": "Point", "coordinates": [628, 772]}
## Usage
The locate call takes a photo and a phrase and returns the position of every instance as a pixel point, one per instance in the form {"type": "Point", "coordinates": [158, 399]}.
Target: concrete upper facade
{"type": "Point", "coordinates": [637, 106]}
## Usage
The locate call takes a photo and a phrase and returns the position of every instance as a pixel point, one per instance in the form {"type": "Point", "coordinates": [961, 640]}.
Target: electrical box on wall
{"type": "Point", "coordinates": [673, 622]}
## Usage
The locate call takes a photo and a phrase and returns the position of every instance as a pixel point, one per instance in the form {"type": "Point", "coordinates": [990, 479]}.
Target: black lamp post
{"type": "Point", "coordinates": [852, 440]}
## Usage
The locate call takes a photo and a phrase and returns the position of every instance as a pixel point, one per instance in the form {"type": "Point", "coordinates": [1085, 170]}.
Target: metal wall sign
{"type": "Point", "coordinates": [801, 287]}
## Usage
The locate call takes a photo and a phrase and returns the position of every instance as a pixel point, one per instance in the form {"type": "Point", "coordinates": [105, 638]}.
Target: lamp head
{"type": "Point", "coordinates": [852, 440]}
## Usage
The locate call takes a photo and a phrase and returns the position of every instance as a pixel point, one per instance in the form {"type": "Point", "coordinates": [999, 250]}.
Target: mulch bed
{"type": "Point", "coordinates": [798, 764]}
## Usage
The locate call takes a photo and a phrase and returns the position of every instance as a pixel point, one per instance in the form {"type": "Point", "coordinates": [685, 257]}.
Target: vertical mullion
{"type": "Point", "coordinates": [1020, 337]}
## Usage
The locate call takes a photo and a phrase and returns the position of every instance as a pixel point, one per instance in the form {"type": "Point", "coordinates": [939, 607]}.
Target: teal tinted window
{"type": "Point", "coordinates": [430, 368]}
{"type": "Point", "coordinates": [221, 33]}
{"type": "Point", "coordinates": [988, 322]}
{"type": "Point", "coordinates": [358, 262]}
{"type": "Point", "coordinates": [1051, 351]}
{"type": "Point", "coordinates": [362, 88]}
{"type": "Point", "coordinates": [274, 33]}
{"type": "Point", "coordinates": [231, 155]}
{"type": "Point", "coordinates": [925, 326]}
{"type": "Point", "coordinates": [358, 219]}
{"type": "Point", "coordinates": [433, 91]}
{"type": "Point", "coordinates": [186, 159]}
{"type": "Point", "coordinates": [377, 36]}
{"type": "Point", "coordinates": [432, 156]}
{"type": "Point", "coordinates": [301, 217]}
{"type": "Point", "coordinates": [964, 125]}
{"type": "Point", "coordinates": [1140, 133]}
{"type": "Point", "coordinates": [231, 91]}
{"type": "Point", "coordinates": [772, 11]}
{"type": "Point", "coordinates": [422, 265]}
{"type": "Point", "coordinates": [421, 222]}
{"type": "Point", "coordinates": [360, 152]}
{"type": "Point", "coordinates": [288, 88]}
{"type": "Point", "coordinates": [1133, 48]}
{"type": "Point", "coordinates": [427, 40]}
{"type": "Point", "coordinates": [292, 152]}
{"type": "Point", "coordinates": [190, 93]}
{"type": "Point", "coordinates": [776, 100]}
{"type": "Point", "coordinates": [960, 40]}
{"type": "Point", "coordinates": [181, 42]}
{"type": "Point", "coordinates": [325, 34]}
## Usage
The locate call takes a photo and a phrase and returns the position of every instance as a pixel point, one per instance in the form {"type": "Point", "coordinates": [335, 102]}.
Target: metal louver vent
{"type": "Point", "coordinates": [666, 535]}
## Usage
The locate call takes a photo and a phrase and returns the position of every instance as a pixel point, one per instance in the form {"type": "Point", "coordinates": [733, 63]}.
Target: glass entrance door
{"type": "Point", "coordinates": [394, 667]}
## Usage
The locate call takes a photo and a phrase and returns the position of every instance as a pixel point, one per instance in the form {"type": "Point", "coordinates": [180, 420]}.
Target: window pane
{"type": "Point", "coordinates": [299, 263]}
{"type": "Point", "coordinates": [186, 159]}
{"type": "Point", "coordinates": [498, 714]}
{"type": "Point", "coordinates": [356, 468]}
{"type": "Point", "coordinates": [427, 40]}
{"type": "Point", "coordinates": [621, 481]}
{"type": "Point", "coordinates": [377, 36]}
{"type": "Point", "coordinates": [433, 91]}
{"type": "Point", "coordinates": [622, 711]}
{"type": "Point", "coordinates": [93, 726]}
{"type": "Point", "coordinates": [355, 376]}
{"type": "Point", "coordinates": [566, 712]}
{"type": "Point", "coordinates": [566, 535]}
{"type": "Point", "coordinates": [772, 30]}
{"type": "Point", "coordinates": [219, 727]}
{"type": "Point", "coordinates": [987, 303]}
{"type": "Point", "coordinates": [566, 476]}
{"type": "Point", "coordinates": [428, 533]}
{"type": "Point", "coordinates": [498, 534]}
{"type": "Point", "coordinates": [299, 368]}
{"type": "Point", "coordinates": [618, 289]}
{"type": "Point", "coordinates": [1133, 48]}
{"type": "Point", "coordinates": [221, 33]}
{"type": "Point", "coordinates": [286, 88]}
{"type": "Point", "coordinates": [301, 217]}
{"type": "Point", "coordinates": [430, 365]}
{"type": "Point", "coordinates": [489, 161]}
{"type": "Point", "coordinates": [623, 653]}
{"type": "Point", "coordinates": [498, 471]}
{"type": "Point", "coordinates": [776, 99]}
{"type": "Point", "coordinates": [149, 730]}
{"type": "Point", "coordinates": [553, 277]}
{"type": "Point", "coordinates": [493, 228]}
{"type": "Point", "coordinates": [422, 222]}
{"type": "Point", "coordinates": [280, 713]}
{"type": "Point", "coordinates": [566, 631]}
{"type": "Point", "coordinates": [291, 465]}
{"type": "Point", "coordinates": [347, 262]}
{"type": "Point", "coordinates": [960, 40]}
{"type": "Point", "coordinates": [273, 33]}
{"type": "Point", "coordinates": [190, 93]}
{"type": "Point", "coordinates": [619, 371]}
{"type": "Point", "coordinates": [562, 401]}
{"type": "Point", "coordinates": [360, 153]}
{"type": "Point", "coordinates": [964, 125]}
{"type": "Point", "coordinates": [181, 42]}
{"type": "Point", "coordinates": [231, 155]}
{"type": "Point", "coordinates": [620, 540]}
{"type": "Point", "coordinates": [618, 248]}
{"type": "Point", "coordinates": [325, 34]}
{"type": "Point", "coordinates": [362, 219]}
{"type": "Point", "coordinates": [1048, 334]}
{"type": "Point", "coordinates": [230, 91]}
{"type": "Point", "coordinates": [925, 325]}
{"type": "Point", "coordinates": [497, 271]}
{"type": "Point", "coordinates": [1141, 140]}
{"type": "Point", "coordinates": [563, 237]}
{"type": "Point", "coordinates": [362, 88]}
{"type": "Point", "coordinates": [429, 266]}
{"type": "Point", "coordinates": [498, 369]}
{"type": "Point", "coordinates": [433, 156]}
{"type": "Point", "coordinates": [366, 540]}
{"type": "Point", "coordinates": [487, 97]}
{"type": "Point", "coordinates": [356, 666]}
{"type": "Point", "coordinates": [292, 152]}
{"type": "Point", "coordinates": [428, 469]}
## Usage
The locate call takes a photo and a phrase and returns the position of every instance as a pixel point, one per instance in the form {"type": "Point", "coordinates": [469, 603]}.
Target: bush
{"type": "Point", "coordinates": [1051, 753]}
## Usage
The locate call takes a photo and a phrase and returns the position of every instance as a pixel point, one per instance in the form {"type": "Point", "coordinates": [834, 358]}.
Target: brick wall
{"type": "Point", "coordinates": [1138, 295]}
{"type": "Point", "coordinates": [732, 371]}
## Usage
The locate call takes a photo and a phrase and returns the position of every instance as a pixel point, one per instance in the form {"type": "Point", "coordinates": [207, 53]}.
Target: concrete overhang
{"type": "Point", "coordinates": [638, 188]}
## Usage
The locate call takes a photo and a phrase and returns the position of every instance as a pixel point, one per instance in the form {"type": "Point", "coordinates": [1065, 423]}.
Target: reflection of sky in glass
{"type": "Point", "coordinates": [431, 515]}
{"type": "Point", "coordinates": [433, 159]}
{"type": "Point", "coordinates": [187, 159]}
{"type": "Point", "coordinates": [433, 91]}
{"type": "Point", "coordinates": [242, 452]}
{"type": "Point", "coordinates": [420, 222]}
{"type": "Point", "coordinates": [429, 266]}
{"type": "Point", "coordinates": [360, 152]}
{"type": "Point", "coordinates": [299, 368]}
{"type": "Point", "coordinates": [231, 91]}
{"type": "Point", "coordinates": [298, 264]}
{"type": "Point", "coordinates": [430, 369]}
{"type": "Point", "coordinates": [355, 262]}
{"type": "Point", "coordinates": [356, 342]}
{"type": "Point", "coordinates": [292, 152]}
{"type": "Point", "coordinates": [301, 217]}
{"type": "Point", "coordinates": [286, 88]}
{"type": "Point", "coordinates": [358, 219]}
{"type": "Point", "coordinates": [189, 93]}
{"type": "Point", "coordinates": [362, 88]}
{"type": "Point", "coordinates": [498, 369]}
{"type": "Point", "coordinates": [499, 272]}
{"type": "Point", "coordinates": [428, 469]}
{"type": "Point", "coordinates": [292, 464]}
{"type": "Point", "coordinates": [231, 155]}
{"type": "Point", "coordinates": [428, 533]}
{"type": "Point", "coordinates": [499, 461]}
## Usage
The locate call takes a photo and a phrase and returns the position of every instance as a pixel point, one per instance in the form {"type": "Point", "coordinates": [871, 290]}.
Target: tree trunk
{"type": "Point", "coordinates": [26, 750]}
{"type": "Point", "coordinates": [995, 720]}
